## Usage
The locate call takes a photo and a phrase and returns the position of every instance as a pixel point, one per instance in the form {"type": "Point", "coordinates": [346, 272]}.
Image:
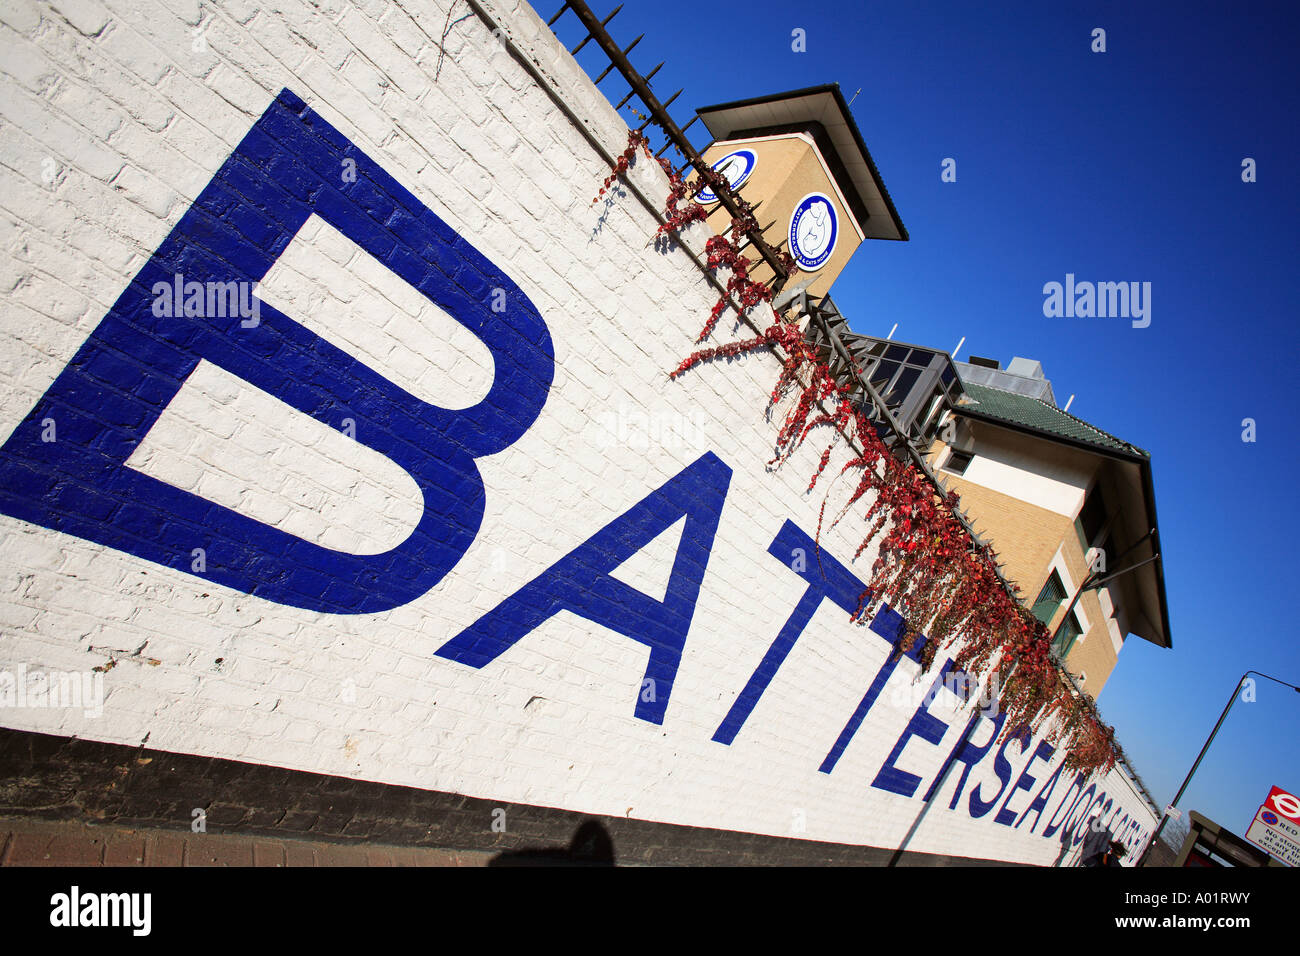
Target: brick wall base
{"type": "Point", "coordinates": [50, 778]}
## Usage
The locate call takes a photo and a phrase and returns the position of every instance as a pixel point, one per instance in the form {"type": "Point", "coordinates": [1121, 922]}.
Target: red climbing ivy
{"type": "Point", "coordinates": [933, 572]}
{"type": "Point", "coordinates": [635, 141]}
{"type": "Point", "coordinates": [680, 210]}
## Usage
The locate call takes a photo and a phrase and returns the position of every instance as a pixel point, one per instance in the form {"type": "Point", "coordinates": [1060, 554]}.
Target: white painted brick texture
{"type": "Point", "coordinates": [116, 115]}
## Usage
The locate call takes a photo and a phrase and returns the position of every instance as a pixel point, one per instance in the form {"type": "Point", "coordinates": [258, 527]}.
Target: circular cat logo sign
{"type": "Point", "coordinates": [813, 231]}
{"type": "Point", "coordinates": [736, 167]}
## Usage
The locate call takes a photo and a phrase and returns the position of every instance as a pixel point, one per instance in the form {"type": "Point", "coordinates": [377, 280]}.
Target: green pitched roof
{"type": "Point", "coordinates": [1034, 413]}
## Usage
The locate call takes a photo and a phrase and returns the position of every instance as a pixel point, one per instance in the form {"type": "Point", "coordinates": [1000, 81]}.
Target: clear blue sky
{"type": "Point", "coordinates": [1122, 166]}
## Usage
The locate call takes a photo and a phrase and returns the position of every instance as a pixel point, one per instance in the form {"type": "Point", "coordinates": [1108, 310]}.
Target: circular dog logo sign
{"type": "Point", "coordinates": [813, 231]}
{"type": "Point", "coordinates": [736, 167]}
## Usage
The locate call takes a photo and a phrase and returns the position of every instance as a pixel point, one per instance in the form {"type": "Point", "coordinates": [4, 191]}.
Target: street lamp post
{"type": "Point", "coordinates": [1223, 716]}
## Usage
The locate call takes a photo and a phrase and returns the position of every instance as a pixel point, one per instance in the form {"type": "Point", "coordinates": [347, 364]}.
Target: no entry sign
{"type": "Point", "coordinates": [1276, 827]}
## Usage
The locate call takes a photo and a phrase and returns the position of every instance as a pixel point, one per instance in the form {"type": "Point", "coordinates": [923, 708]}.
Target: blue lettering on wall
{"type": "Point", "coordinates": [1085, 822]}
{"type": "Point", "coordinates": [1122, 825]}
{"type": "Point", "coordinates": [827, 579]}
{"type": "Point", "coordinates": [924, 725]}
{"type": "Point", "coordinates": [1079, 831]}
{"type": "Point", "coordinates": [289, 166]}
{"type": "Point", "coordinates": [580, 582]}
{"type": "Point", "coordinates": [1052, 824]}
{"type": "Point", "coordinates": [1025, 782]}
{"type": "Point", "coordinates": [890, 625]}
{"type": "Point", "coordinates": [1039, 803]}
{"type": "Point", "coordinates": [1106, 807]}
{"type": "Point", "coordinates": [1002, 770]}
{"type": "Point", "coordinates": [968, 753]}
{"type": "Point", "coordinates": [1075, 829]}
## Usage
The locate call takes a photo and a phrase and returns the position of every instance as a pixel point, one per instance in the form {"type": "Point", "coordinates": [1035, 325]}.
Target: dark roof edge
{"type": "Point", "coordinates": [1060, 411]}
{"type": "Point", "coordinates": [833, 88]}
{"type": "Point", "coordinates": [1118, 453]}
{"type": "Point", "coordinates": [1149, 491]}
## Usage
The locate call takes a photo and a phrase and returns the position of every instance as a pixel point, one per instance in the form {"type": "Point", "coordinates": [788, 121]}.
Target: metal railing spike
{"type": "Point", "coordinates": [628, 49]}
{"type": "Point", "coordinates": [658, 114]}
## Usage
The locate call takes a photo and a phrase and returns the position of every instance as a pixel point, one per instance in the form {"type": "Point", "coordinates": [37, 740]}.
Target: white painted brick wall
{"type": "Point", "coordinates": [116, 115]}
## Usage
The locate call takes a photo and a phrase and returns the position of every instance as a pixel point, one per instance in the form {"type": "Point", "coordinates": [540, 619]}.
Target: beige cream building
{"type": "Point", "coordinates": [801, 155]}
{"type": "Point", "coordinates": [1061, 500]}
